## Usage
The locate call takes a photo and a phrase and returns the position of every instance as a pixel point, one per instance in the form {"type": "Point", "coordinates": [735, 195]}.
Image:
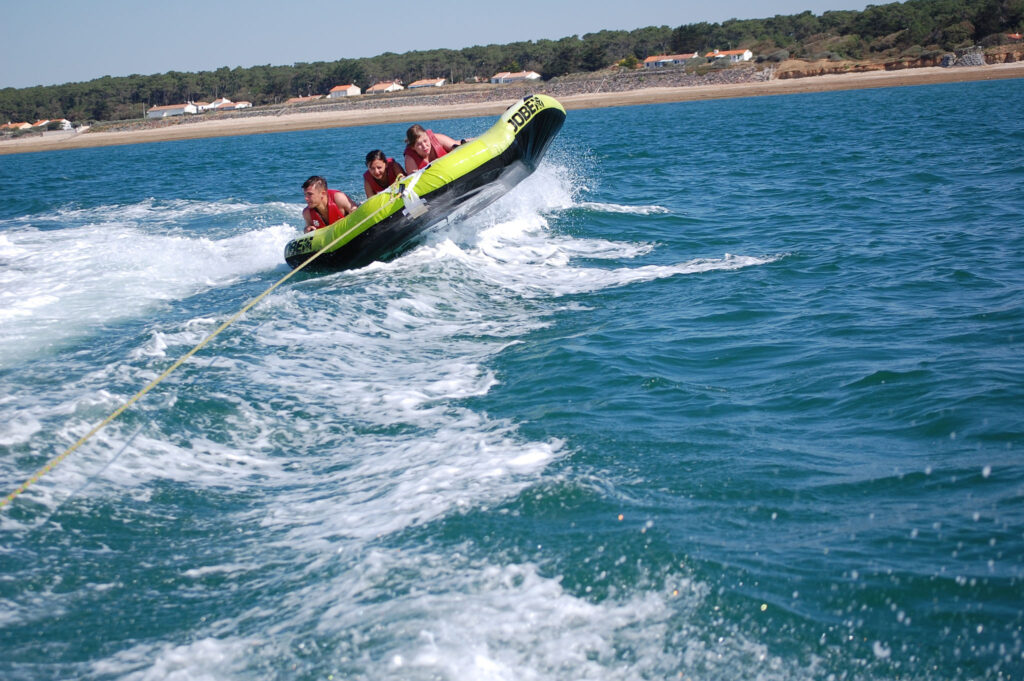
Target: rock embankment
{"type": "Point", "coordinates": [1003, 54]}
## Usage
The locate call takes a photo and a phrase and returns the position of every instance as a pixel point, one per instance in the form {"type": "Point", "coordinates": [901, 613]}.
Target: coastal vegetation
{"type": "Point", "coordinates": [913, 28]}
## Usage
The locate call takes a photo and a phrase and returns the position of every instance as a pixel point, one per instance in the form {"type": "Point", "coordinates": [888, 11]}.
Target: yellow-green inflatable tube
{"type": "Point", "coordinates": [462, 182]}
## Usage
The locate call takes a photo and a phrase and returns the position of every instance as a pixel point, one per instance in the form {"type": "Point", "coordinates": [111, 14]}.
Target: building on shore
{"type": "Point", "coordinates": [427, 82]}
{"type": "Point", "coordinates": [662, 60]}
{"type": "Point", "coordinates": [348, 90]}
{"type": "Point", "coordinates": [518, 76]}
{"type": "Point", "coordinates": [215, 104]}
{"type": "Point", "coordinates": [735, 56]}
{"type": "Point", "coordinates": [172, 110]}
{"type": "Point", "coordinates": [228, 105]}
{"type": "Point", "coordinates": [384, 86]}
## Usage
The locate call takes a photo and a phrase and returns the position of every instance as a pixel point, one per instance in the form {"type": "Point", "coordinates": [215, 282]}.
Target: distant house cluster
{"type": "Point", "coordinates": [336, 92]}
{"type": "Point", "coordinates": [64, 124]}
{"type": "Point", "coordinates": [222, 104]}
{"type": "Point", "coordinates": [662, 60]}
{"type": "Point", "coordinates": [386, 86]}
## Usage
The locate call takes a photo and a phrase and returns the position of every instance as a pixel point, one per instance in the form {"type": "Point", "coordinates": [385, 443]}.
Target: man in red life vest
{"type": "Point", "coordinates": [323, 206]}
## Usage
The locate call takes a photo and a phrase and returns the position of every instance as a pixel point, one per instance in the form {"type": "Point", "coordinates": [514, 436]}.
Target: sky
{"type": "Point", "coordinates": [64, 41]}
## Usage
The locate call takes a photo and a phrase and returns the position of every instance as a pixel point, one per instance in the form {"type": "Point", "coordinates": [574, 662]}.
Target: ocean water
{"type": "Point", "coordinates": [725, 390]}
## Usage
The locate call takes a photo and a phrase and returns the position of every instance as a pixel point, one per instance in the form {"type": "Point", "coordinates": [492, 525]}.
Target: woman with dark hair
{"type": "Point", "coordinates": [381, 172]}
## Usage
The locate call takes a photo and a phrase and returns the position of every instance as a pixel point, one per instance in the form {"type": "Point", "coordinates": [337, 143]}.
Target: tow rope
{"type": "Point", "coordinates": [53, 463]}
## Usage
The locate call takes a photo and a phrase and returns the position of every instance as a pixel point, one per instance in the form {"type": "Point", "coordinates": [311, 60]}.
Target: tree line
{"type": "Point", "coordinates": [879, 31]}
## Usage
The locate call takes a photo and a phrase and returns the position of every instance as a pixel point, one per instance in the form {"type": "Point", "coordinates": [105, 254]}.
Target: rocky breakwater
{"type": "Point", "coordinates": [622, 80]}
{"type": "Point", "coordinates": [975, 56]}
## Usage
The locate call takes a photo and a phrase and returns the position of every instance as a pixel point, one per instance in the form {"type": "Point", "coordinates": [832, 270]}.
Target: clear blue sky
{"type": "Point", "coordinates": [61, 41]}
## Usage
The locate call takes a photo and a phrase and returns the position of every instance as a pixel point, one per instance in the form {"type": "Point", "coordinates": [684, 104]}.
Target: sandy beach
{"type": "Point", "coordinates": [312, 120]}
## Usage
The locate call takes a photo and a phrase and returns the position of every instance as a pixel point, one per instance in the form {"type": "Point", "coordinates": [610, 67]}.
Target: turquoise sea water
{"type": "Point", "coordinates": [725, 390]}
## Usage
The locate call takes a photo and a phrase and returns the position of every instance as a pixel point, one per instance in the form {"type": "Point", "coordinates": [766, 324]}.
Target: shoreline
{"type": "Point", "coordinates": [316, 120]}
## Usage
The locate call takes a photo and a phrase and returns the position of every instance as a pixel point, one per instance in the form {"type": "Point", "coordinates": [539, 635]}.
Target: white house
{"type": "Point", "coordinates": [171, 110]}
{"type": "Point", "coordinates": [212, 106]}
{"type": "Point", "coordinates": [343, 91]}
{"type": "Point", "coordinates": [506, 77]}
{"type": "Point", "coordinates": [661, 60]}
{"type": "Point", "coordinates": [735, 56]}
{"type": "Point", "coordinates": [228, 105]}
{"type": "Point", "coordinates": [384, 86]}
{"type": "Point", "coordinates": [65, 123]}
{"type": "Point", "coordinates": [427, 82]}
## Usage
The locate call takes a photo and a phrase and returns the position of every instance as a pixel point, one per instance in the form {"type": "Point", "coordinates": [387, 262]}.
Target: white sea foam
{"type": "Point", "coordinates": [228, 569]}
{"type": "Point", "coordinates": [400, 352]}
{"type": "Point", "coordinates": [206, 659]}
{"type": "Point", "coordinates": [522, 258]}
{"type": "Point", "coordinates": [625, 210]}
{"type": "Point", "coordinates": [150, 213]}
{"type": "Point", "coordinates": [107, 271]}
{"type": "Point", "coordinates": [506, 622]}
{"type": "Point", "coordinates": [19, 425]}
{"type": "Point", "coordinates": [463, 617]}
{"type": "Point", "coordinates": [9, 249]}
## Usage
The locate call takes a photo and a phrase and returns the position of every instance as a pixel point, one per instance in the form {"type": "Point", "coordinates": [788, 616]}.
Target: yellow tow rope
{"type": "Point", "coordinates": [53, 463]}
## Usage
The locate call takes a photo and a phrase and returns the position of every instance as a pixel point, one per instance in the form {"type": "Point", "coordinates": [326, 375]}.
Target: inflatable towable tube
{"type": "Point", "coordinates": [462, 182]}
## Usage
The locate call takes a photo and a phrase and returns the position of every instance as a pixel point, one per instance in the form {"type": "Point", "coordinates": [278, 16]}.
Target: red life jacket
{"type": "Point", "coordinates": [391, 173]}
{"type": "Point", "coordinates": [434, 142]}
{"type": "Point", "coordinates": [333, 212]}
